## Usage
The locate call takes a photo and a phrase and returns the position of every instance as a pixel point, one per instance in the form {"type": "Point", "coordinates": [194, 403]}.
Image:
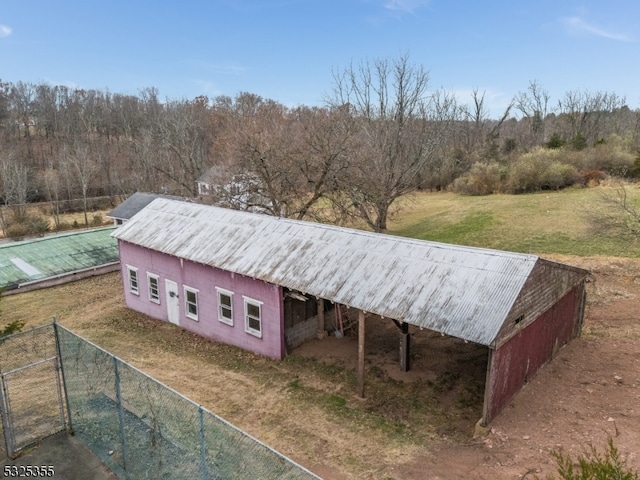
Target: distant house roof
{"type": "Point", "coordinates": [45, 257]}
{"type": "Point", "coordinates": [135, 203]}
{"type": "Point", "coordinates": [461, 291]}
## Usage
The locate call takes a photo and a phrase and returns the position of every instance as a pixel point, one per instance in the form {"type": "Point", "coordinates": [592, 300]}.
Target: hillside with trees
{"type": "Point", "coordinates": [381, 133]}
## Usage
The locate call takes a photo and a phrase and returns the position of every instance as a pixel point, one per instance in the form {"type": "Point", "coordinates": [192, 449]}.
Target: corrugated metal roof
{"type": "Point", "coordinates": [460, 291]}
{"type": "Point", "coordinates": [135, 203]}
{"type": "Point", "coordinates": [54, 255]}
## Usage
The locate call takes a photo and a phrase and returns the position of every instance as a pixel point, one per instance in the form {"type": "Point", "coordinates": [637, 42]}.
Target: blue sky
{"type": "Point", "coordinates": [287, 49]}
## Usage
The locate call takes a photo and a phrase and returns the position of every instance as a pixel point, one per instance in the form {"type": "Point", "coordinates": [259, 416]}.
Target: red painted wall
{"type": "Point", "coordinates": [205, 279]}
{"type": "Point", "coordinates": [517, 361]}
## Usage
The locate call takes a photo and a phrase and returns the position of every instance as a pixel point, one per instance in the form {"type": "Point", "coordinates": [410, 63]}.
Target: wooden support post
{"type": "Point", "coordinates": [405, 346]}
{"type": "Point", "coordinates": [361, 334]}
{"type": "Point", "coordinates": [321, 332]}
{"type": "Point", "coordinates": [487, 406]}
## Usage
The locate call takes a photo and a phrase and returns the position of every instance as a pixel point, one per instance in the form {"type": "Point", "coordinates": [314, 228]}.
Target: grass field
{"type": "Point", "coordinates": [306, 407]}
{"type": "Point", "coordinates": [540, 223]}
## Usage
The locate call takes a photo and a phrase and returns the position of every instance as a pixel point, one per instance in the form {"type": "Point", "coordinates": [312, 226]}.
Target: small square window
{"type": "Point", "coordinates": [191, 303]}
{"type": "Point", "coordinates": [225, 306]}
{"type": "Point", "coordinates": [132, 273]}
{"type": "Point", "coordinates": [253, 317]}
{"type": "Point", "coordinates": [154, 291]}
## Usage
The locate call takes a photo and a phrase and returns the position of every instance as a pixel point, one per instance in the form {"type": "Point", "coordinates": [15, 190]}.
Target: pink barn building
{"type": "Point", "coordinates": [264, 283]}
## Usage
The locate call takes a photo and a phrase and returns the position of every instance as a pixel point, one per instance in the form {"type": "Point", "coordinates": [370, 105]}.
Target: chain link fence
{"type": "Point", "coordinates": [142, 429]}
{"type": "Point", "coordinates": [31, 396]}
{"type": "Point", "coordinates": [52, 379]}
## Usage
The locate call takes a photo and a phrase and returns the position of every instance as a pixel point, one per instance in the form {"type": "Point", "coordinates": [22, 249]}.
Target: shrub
{"type": "Point", "coordinates": [28, 225]}
{"type": "Point", "coordinates": [612, 159]}
{"type": "Point", "coordinates": [524, 176]}
{"type": "Point", "coordinates": [11, 328]}
{"type": "Point", "coordinates": [592, 178]}
{"type": "Point", "coordinates": [482, 179]}
{"type": "Point", "coordinates": [97, 219]}
{"type": "Point", "coordinates": [558, 175]}
{"type": "Point", "coordinates": [579, 142]}
{"type": "Point", "coordinates": [62, 225]}
{"type": "Point", "coordinates": [613, 156]}
{"type": "Point", "coordinates": [556, 141]}
{"type": "Point", "coordinates": [17, 231]}
{"type": "Point", "coordinates": [594, 466]}
{"type": "Point", "coordinates": [37, 225]}
{"type": "Point", "coordinates": [509, 146]}
{"type": "Point", "coordinates": [540, 169]}
{"type": "Point", "coordinates": [635, 170]}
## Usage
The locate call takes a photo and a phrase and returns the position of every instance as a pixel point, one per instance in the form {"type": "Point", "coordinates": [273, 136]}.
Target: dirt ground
{"type": "Point", "coordinates": [67, 456]}
{"type": "Point", "coordinates": [588, 393]}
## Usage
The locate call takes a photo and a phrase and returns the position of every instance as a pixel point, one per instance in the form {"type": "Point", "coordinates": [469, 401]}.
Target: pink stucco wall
{"type": "Point", "coordinates": [205, 279]}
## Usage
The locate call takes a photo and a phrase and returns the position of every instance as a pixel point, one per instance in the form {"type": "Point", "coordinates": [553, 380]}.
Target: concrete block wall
{"type": "Point", "coordinates": [300, 333]}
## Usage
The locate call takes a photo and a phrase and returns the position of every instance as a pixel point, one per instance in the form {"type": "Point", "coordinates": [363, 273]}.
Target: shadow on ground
{"type": "Point", "coordinates": [70, 458]}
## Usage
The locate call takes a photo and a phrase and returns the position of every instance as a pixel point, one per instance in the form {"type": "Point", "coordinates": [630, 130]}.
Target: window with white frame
{"type": "Point", "coordinates": [225, 306]}
{"type": "Point", "coordinates": [253, 317]}
{"type": "Point", "coordinates": [132, 275]}
{"type": "Point", "coordinates": [191, 302]}
{"type": "Point", "coordinates": [154, 291]}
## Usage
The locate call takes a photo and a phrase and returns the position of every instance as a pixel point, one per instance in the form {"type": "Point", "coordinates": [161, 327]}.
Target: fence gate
{"type": "Point", "coordinates": [31, 393]}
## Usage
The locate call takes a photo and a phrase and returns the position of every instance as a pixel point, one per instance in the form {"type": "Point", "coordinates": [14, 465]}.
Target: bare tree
{"type": "Point", "coordinates": [83, 166]}
{"type": "Point", "coordinates": [618, 214]}
{"type": "Point", "coordinates": [262, 147]}
{"type": "Point", "coordinates": [13, 188]}
{"type": "Point", "coordinates": [326, 137]}
{"type": "Point", "coordinates": [480, 132]}
{"type": "Point", "coordinates": [585, 114]}
{"type": "Point", "coordinates": [51, 182]}
{"type": "Point", "coordinates": [22, 96]}
{"type": "Point", "coordinates": [5, 89]}
{"type": "Point", "coordinates": [145, 174]}
{"type": "Point", "coordinates": [184, 139]}
{"type": "Point", "coordinates": [279, 160]}
{"type": "Point", "coordinates": [534, 106]}
{"type": "Point", "coordinates": [401, 126]}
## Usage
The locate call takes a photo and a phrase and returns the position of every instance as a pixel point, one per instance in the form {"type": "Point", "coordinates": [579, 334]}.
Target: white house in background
{"type": "Point", "coordinates": [240, 191]}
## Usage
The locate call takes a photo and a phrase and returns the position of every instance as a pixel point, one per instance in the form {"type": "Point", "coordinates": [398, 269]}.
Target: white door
{"type": "Point", "coordinates": [173, 302]}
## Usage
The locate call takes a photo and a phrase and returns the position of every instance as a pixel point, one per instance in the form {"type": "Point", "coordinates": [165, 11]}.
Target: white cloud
{"type": "Point", "coordinates": [405, 6]}
{"type": "Point", "coordinates": [207, 87]}
{"type": "Point", "coordinates": [5, 31]}
{"type": "Point", "coordinates": [577, 25]}
{"type": "Point", "coordinates": [217, 68]}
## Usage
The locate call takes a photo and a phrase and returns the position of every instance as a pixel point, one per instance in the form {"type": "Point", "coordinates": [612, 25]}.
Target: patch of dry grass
{"type": "Point", "coordinates": [302, 407]}
{"type": "Point", "coordinates": [96, 218]}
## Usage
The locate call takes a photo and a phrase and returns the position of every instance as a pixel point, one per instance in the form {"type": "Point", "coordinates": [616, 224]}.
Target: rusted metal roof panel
{"type": "Point", "coordinates": [460, 291]}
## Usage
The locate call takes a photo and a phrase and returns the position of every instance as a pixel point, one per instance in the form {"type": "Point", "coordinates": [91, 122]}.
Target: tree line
{"type": "Point", "coordinates": [381, 133]}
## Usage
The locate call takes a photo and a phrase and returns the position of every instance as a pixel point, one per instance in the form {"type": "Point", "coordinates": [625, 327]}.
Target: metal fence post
{"type": "Point", "coordinates": [6, 419]}
{"type": "Point", "coordinates": [203, 449]}
{"type": "Point", "coordinates": [60, 364]}
{"type": "Point", "coordinates": [121, 417]}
